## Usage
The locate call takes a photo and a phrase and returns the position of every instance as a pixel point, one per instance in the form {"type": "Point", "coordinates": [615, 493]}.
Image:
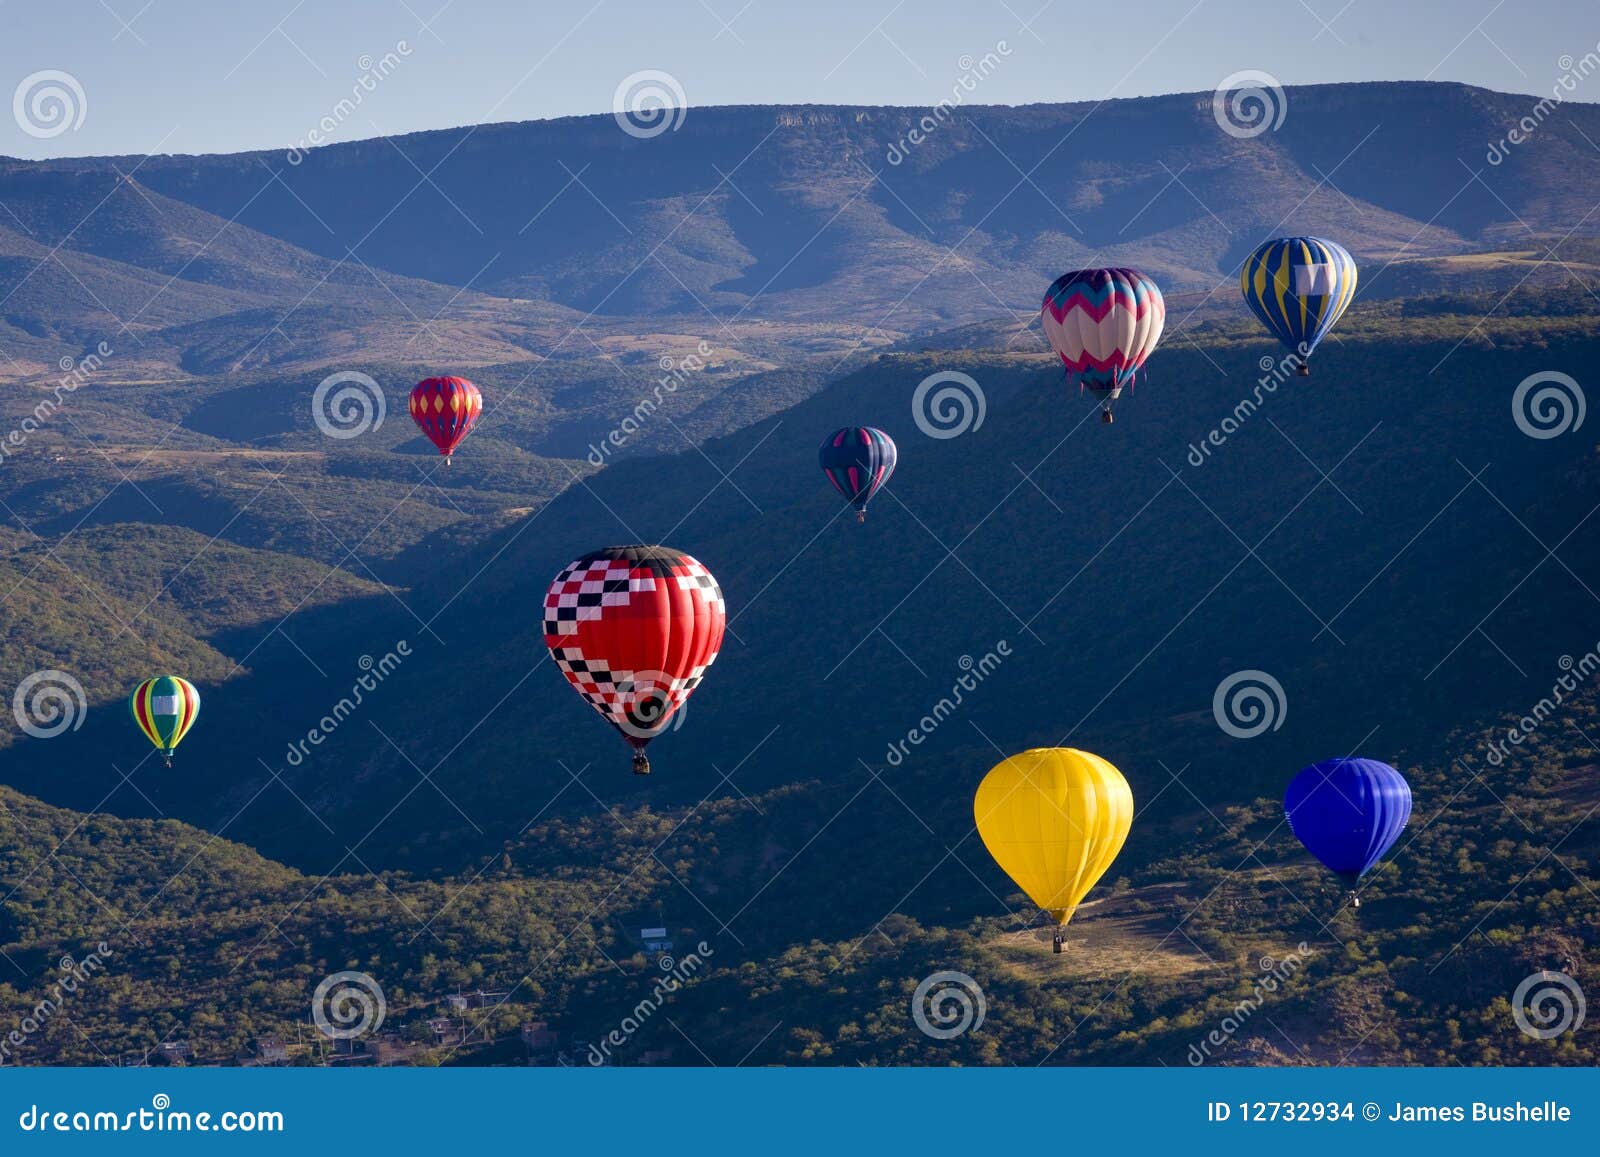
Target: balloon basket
{"type": "Point", "coordinates": [1304, 371]}
{"type": "Point", "coordinates": [1058, 942]}
{"type": "Point", "coordinates": [1106, 418]}
{"type": "Point", "coordinates": [861, 516]}
{"type": "Point", "coordinates": [641, 765]}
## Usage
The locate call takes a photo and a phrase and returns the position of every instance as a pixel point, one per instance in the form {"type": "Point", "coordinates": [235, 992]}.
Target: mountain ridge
{"type": "Point", "coordinates": [1152, 181]}
{"type": "Point", "coordinates": [410, 134]}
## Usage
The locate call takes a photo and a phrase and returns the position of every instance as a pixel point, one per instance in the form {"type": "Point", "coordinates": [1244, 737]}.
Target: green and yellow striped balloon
{"type": "Point", "coordinates": [165, 708]}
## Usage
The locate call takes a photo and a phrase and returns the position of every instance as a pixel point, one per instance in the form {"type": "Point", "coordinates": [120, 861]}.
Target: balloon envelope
{"type": "Point", "coordinates": [858, 460]}
{"type": "Point", "coordinates": [1348, 812]}
{"type": "Point", "coordinates": [1054, 818]}
{"type": "Point", "coordinates": [1103, 324]}
{"type": "Point", "coordinates": [1299, 287]}
{"type": "Point", "coordinates": [633, 629]}
{"type": "Point", "coordinates": [445, 410]}
{"type": "Point", "coordinates": [165, 708]}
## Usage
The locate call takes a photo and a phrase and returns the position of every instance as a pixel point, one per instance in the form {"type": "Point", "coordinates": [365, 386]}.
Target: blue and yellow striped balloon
{"type": "Point", "coordinates": [165, 708]}
{"type": "Point", "coordinates": [1298, 287]}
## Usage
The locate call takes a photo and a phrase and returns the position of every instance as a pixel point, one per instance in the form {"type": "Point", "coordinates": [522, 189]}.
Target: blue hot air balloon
{"type": "Point", "coordinates": [858, 461]}
{"type": "Point", "coordinates": [1299, 287]}
{"type": "Point", "coordinates": [1348, 813]}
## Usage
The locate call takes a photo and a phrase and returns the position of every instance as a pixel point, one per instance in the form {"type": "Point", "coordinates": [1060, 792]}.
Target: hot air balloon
{"type": "Point", "coordinates": [165, 708]}
{"type": "Point", "coordinates": [1054, 818]}
{"type": "Point", "coordinates": [1348, 813]}
{"type": "Point", "coordinates": [1103, 323]}
{"type": "Point", "coordinates": [858, 461]}
{"type": "Point", "coordinates": [1298, 287]}
{"type": "Point", "coordinates": [634, 628]}
{"type": "Point", "coordinates": [445, 410]}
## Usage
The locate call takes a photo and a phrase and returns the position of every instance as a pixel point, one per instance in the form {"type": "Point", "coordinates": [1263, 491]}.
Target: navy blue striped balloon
{"type": "Point", "coordinates": [1299, 287]}
{"type": "Point", "coordinates": [858, 461]}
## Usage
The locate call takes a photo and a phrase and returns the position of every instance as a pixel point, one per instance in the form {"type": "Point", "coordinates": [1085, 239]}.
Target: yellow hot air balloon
{"type": "Point", "coordinates": [1054, 818]}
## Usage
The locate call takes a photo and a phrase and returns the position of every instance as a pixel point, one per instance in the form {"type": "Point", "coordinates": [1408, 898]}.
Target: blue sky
{"type": "Point", "coordinates": [190, 76]}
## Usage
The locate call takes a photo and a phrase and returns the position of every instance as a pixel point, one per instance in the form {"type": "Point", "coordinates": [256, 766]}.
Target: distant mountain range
{"type": "Point", "coordinates": [496, 242]}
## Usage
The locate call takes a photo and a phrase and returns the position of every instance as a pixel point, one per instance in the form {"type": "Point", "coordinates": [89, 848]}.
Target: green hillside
{"type": "Point", "coordinates": [1125, 594]}
{"type": "Point", "coordinates": [62, 623]}
{"type": "Point", "coordinates": [1495, 880]}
